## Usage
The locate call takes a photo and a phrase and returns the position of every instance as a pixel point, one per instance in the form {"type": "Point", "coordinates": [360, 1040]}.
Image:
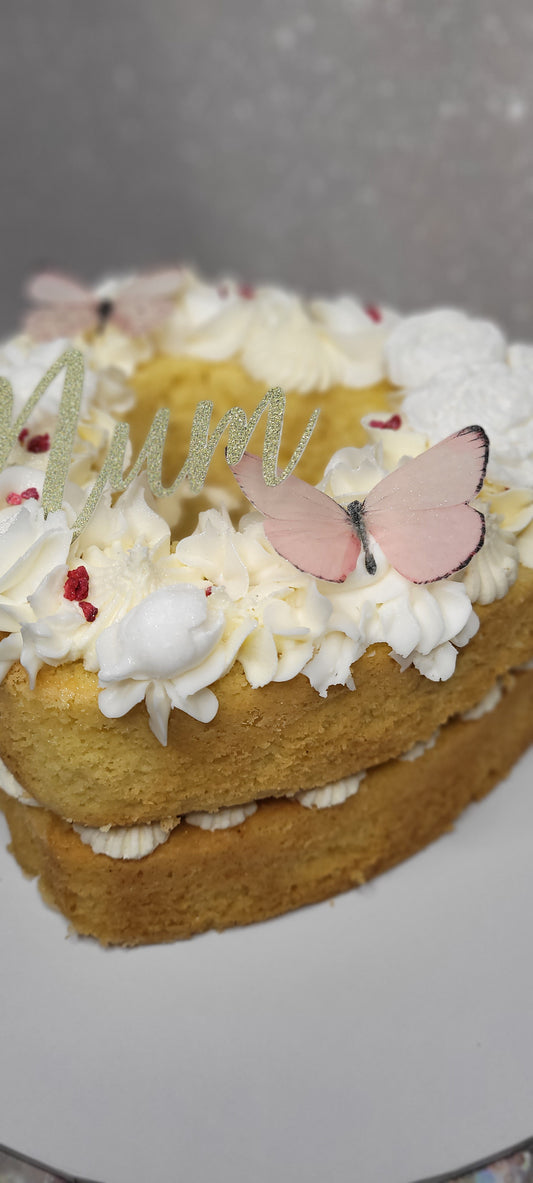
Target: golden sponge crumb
{"type": "Point", "coordinates": [282, 857]}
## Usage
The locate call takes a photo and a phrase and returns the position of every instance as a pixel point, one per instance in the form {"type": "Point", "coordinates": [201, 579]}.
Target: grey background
{"type": "Point", "coordinates": [381, 146]}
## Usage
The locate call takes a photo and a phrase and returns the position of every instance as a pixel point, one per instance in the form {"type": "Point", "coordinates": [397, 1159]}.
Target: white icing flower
{"type": "Point", "coordinates": [132, 561]}
{"type": "Point", "coordinates": [30, 547]}
{"type": "Point", "coordinates": [288, 613]}
{"type": "Point", "coordinates": [312, 347]}
{"type": "Point", "coordinates": [225, 819]}
{"type": "Point", "coordinates": [514, 511]}
{"type": "Point", "coordinates": [210, 321]}
{"type": "Point", "coordinates": [494, 568]}
{"type": "Point", "coordinates": [330, 795]}
{"type": "Point", "coordinates": [525, 547]}
{"type": "Point", "coordinates": [126, 842]}
{"type": "Point", "coordinates": [165, 651]}
{"type": "Point", "coordinates": [486, 393]}
{"type": "Point", "coordinates": [357, 338]}
{"type": "Point", "coordinates": [319, 628]}
{"type": "Point", "coordinates": [513, 507]}
{"type": "Point", "coordinates": [280, 339]}
{"type": "Point", "coordinates": [351, 473]}
{"type": "Point", "coordinates": [421, 347]}
{"type": "Point", "coordinates": [392, 446]}
{"type": "Point", "coordinates": [115, 351]}
{"type": "Point", "coordinates": [130, 521]}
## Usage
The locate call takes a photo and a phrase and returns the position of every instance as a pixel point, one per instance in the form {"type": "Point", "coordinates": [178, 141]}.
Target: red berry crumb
{"type": "Point", "coordinates": [89, 611]}
{"type": "Point", "coordinates": [18, 498]}
{"type": "Point", "coordinates": [77, 584]}
{"type": "Point", "coordinates": [208, 591]}
{"type": "Point", "coordinates": [23, 435]}
{"type": "Point", "coordinates": [247, 291]}
{"type": "Point", "coordinates": [391, 424]}
{"type": "Point", "coordinates": [374, 313]}
{"type": "Point", "coordinates": [39, 443]}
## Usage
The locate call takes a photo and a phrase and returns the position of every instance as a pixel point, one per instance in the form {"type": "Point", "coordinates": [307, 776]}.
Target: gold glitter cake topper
{"type": "Point", "coordinates": [112, 475]}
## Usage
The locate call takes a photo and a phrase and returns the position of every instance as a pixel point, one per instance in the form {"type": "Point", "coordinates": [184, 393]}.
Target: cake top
{"type": "Point", "coordinates": [161, 617]}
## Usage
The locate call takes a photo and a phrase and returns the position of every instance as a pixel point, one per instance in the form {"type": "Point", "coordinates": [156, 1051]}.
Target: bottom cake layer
{"type": "Point", "coordinates": [282, 857]}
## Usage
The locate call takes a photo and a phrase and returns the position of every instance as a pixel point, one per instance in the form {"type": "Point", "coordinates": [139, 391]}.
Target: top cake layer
{"type": "Point", "coordinates": [158, 609]}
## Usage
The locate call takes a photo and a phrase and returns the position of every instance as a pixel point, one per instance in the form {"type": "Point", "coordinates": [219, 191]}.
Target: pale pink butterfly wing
{"type": "Point", "coordinates": [147, 301]}
{"type": "Point", "coordinates": [68, 308]}
{"type": "Point", "coordinates": [419, 514]}
{"type": "Point", "coordinates": [51, 287]}
{"type": "Point", "coordinates": [304, 525]}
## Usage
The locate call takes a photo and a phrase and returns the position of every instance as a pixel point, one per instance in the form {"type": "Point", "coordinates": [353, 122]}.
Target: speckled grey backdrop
{"type": "Point", "coordinates": [383, 146]}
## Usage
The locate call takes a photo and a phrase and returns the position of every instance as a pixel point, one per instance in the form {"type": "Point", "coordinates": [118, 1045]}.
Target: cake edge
{"type": "Point", "coordinates": [281, 858]}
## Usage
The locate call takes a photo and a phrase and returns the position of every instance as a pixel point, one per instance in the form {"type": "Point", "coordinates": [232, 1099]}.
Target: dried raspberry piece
{"type": "Point", "coordinates": [391, 424]}
{"type": "Point", "coordinates": [31, 494]}
{"type": "Point", "coordinates": [374, 313]}
{"type": "Point", "coordinates": [89, 611]}
{"type": "Point", "coordinates": [23, 435]}
{"type": "Point", "coordinates": [14, 499]}
{"type": "Point", "coordinates": [247, 291]}
{"type": "Point", "coordinates": [77, 584]}
{"type": "Point", "coordinates": [208, 591]}
{"type": "Point", "coordinates": [39, 443]}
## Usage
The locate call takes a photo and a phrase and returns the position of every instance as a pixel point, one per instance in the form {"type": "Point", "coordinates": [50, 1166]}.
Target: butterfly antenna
{"type": "Point", "coordinates": [356, 510]}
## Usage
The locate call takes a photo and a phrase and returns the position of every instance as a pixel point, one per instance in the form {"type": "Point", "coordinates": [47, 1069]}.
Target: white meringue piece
{"type": "Point", "coordinates": [425, 345]}
{"type": "Point", "coordinates": [488, 393]}
{"type": "Point", "coordinates": [150, 651]}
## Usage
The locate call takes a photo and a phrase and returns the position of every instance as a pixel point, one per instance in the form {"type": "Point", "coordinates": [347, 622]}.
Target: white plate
{"type": "Point", "coordinates": [384, 1037]}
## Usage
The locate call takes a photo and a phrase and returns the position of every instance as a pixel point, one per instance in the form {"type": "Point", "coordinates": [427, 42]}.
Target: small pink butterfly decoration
{"type": "Point", "coordinates": [67, 307]}
{"type": "Point", "coordinates": [419, 514]}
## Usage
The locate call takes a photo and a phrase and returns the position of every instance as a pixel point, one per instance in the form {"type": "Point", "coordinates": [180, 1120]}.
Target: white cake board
{"type": "Point", "coordinates": [379, 1039]}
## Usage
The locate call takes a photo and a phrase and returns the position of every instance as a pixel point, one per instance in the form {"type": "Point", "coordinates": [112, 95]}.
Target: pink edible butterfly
{"type": "Point", "coordinates": [419, 514]}
{"type": "Point", "coordinates": [68, 307]}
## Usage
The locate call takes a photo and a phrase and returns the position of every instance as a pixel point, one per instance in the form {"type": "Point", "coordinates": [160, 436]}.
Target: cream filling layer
{"type": "Point", "coordinates": [136, 842]}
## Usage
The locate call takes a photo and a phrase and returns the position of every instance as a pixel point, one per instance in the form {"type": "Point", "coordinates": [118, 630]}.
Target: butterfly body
{"type": "Point", "coordinates": [66, 307]}
{"type": "Point", "coordinates": [356, 513]}
{"type": "Point", "coordinates": [419, 515]}
{"type": "Point", "coordinates": [104, 312]}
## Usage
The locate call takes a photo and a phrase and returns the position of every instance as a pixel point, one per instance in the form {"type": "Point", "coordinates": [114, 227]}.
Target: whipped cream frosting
{"type": "Point", "coordinates": [486, 393]}
{"type": "Point", "coordinates": [126, 842]}
{"type": "Point", "coordinates": [12, 786]}
{"type": "Point", "coordinates": [420, 748]}
{"type": "Point", "coordinates": [489, 701]}
{"type": "Point", "coordinates": [494, 568]}
{"type": "Point", "coordinates": [279, 338]}
{"type": "Point", "coordinates": [169, 620]}
{"type": "Point", "coordinates": [421, 347]}
{"type": "Point", "coordinates": [329, 795]}
{"type": "Point", "coordinates": [224, 819]}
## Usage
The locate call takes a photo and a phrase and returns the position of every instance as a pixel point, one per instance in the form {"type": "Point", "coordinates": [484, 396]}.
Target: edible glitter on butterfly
{"type": "Point", "coordinates": [68, 308]}
{"type": "Point", "coordinates": [419, 514]}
